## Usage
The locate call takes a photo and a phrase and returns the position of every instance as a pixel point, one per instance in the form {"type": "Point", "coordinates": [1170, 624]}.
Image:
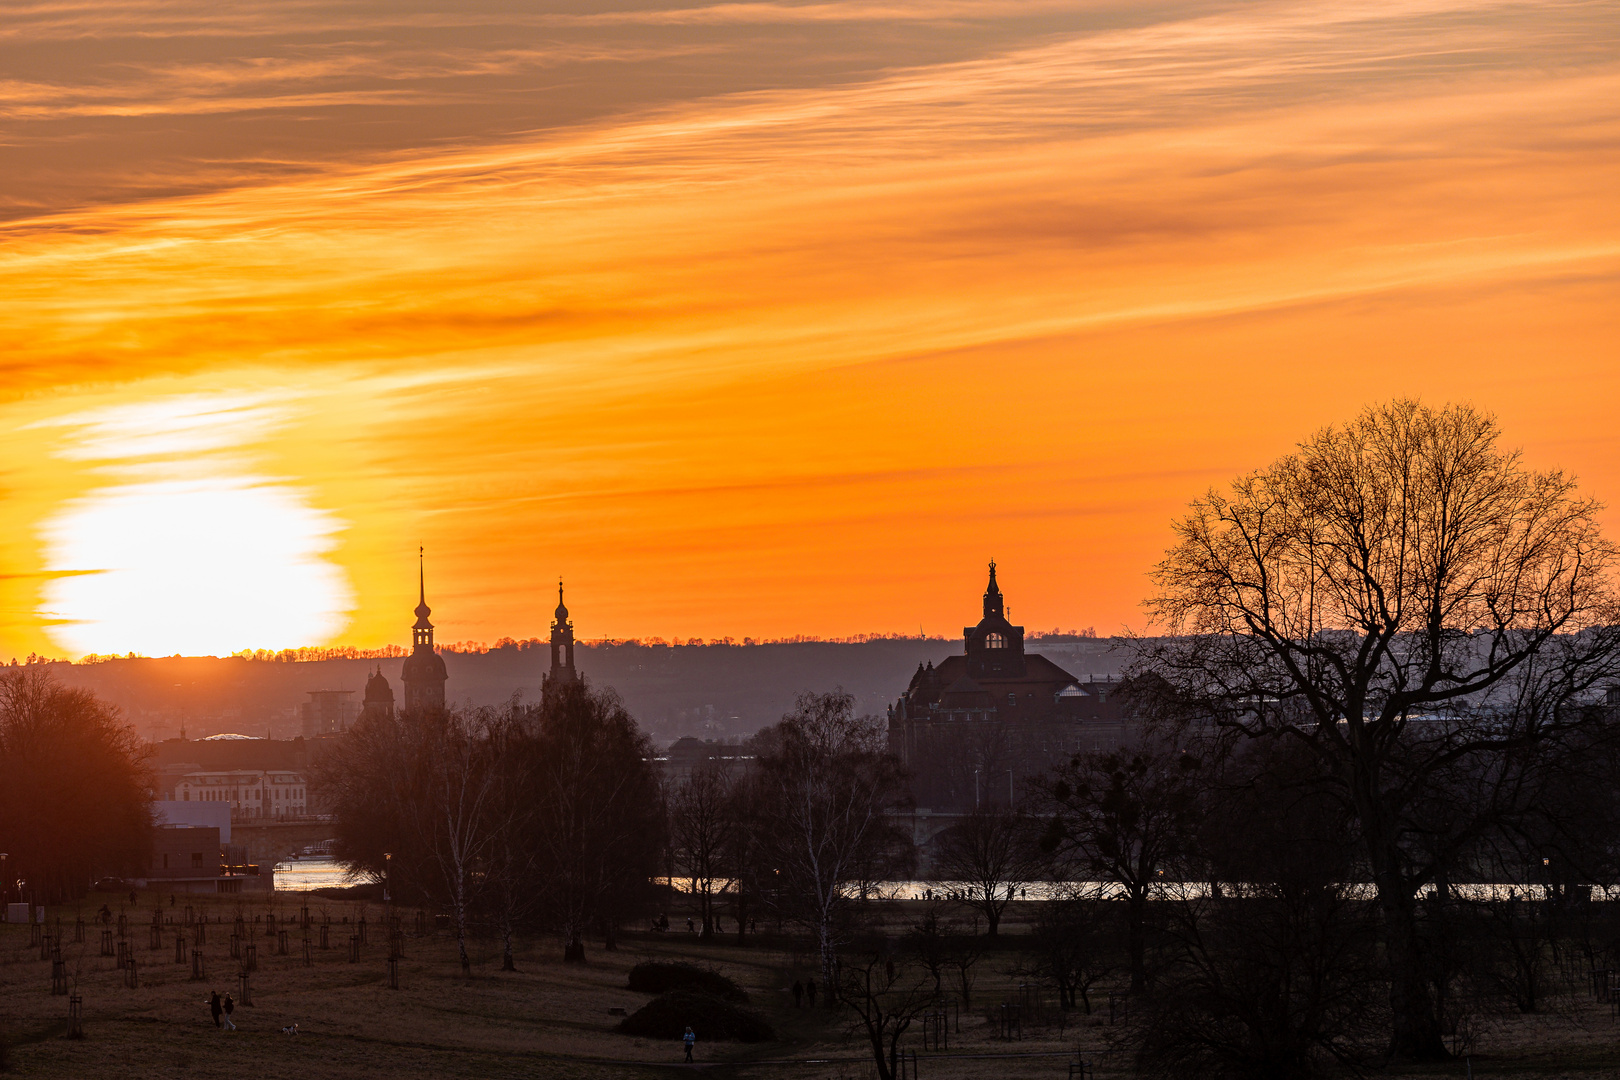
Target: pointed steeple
{"type": "Point", "coordinates": [423, 675]}
{"type": "Point", "coordinates": [422, 609]}
{"type": "Point", "coordinates": [562, 643]}
{"type": "Point", "coordinates": [992, 595]}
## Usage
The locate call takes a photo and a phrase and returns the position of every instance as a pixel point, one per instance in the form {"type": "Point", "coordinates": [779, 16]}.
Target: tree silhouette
{"type": "Point", "coordinates": [1404, 598]}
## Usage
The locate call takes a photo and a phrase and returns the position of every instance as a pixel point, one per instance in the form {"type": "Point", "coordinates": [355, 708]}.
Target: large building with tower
{"type": "Point", "coordinates": [977, 728]}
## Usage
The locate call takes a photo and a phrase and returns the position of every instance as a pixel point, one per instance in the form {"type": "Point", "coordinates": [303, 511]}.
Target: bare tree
{"type": "Point", "coordinates": [1400, 595]}
{"type": "Point", "coordinates": [1270, 972]}
{"type": "Point", "coordinates": [461, 826]}
{"type": "Point", "coordinates": [420, 786]}
{"type": "Point", "coordinates": [929, 940]}
{"type": "Point", "coordinates": [1071, 946]}
{"type": "Point", "coordinates": [1128, 817]}
{"type": "Point", "coordinates": [963, 954]}
{"type": "Point", "coordinates": [988, 854]}
{"type": "Point", "coordinates": [886, 995]}
{"type": "Point", "coordinates": [701, 827]}
{"type": "Point", "coordinates": [829, 782]}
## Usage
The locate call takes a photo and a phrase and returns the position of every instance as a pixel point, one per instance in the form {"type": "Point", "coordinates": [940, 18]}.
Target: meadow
{"type": "Point", "coordinates": [549, 1018]}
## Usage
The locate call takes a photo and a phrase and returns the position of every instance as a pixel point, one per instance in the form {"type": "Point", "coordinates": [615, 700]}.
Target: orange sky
{"type": "Point", "coordinates": [751, 318]}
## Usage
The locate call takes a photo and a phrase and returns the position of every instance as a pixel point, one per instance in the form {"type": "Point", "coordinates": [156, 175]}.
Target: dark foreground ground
{"type": "Point", "coordinates": [550, 1019]}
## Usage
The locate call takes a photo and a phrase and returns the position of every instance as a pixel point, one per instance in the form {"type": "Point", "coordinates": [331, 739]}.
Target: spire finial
{"type": "Point", "coordinates": [992, 595]}
{"type": "Point", "coordinates": [422, 609]}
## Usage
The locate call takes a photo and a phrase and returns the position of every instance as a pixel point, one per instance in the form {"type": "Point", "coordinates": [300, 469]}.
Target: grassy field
{"type": "Point", "coordinates": [548, 1019]}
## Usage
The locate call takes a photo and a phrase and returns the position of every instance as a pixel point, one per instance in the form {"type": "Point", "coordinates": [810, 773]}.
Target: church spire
{"type": "Point", "coordinates": [423, 630]}
{"type": "Point", "coordinates": [562, 643]}
{"type": "Point", "coordinates": [992, 595]}
{"type": "Point", "coordinates": [423, 675]}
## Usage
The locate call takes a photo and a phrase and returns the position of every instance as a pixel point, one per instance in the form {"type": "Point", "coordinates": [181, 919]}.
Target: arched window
{"type": "Point", "coordinates": [995, 641]}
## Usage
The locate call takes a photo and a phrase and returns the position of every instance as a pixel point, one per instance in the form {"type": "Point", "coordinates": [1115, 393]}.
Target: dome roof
{"type": "Point", "coordinates": [562, 609]}
{"type": "Point", "coordinates": [422, 666]}
{"type": "Point", "coordinates": [377, 688]}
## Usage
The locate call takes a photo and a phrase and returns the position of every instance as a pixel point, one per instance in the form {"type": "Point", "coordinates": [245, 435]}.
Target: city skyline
{"type": "Point", "coordinates": [753, 320]}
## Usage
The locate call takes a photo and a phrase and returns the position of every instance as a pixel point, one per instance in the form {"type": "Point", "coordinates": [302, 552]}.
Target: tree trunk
{"type": "Point", "coordinates": [828, 968]}
{"type": "Point", "coordinates": [1136, 929]}
{"type": "Point", "coordinates": [574, 949]}
{"type": "Point", "coordinates": [508, 963]}
{"type": "Point", "coordinates": [1415, 1033]}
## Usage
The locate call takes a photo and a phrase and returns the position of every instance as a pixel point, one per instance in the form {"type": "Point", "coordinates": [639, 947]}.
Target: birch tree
{"type": "Point", "coordinates": [829, 782]}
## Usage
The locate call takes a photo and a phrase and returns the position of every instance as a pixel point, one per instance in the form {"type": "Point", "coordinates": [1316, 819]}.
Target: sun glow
{"type": "Point", "coordinates": [751, 319]}
{"type": "Point", "coordinates": [194, 554]}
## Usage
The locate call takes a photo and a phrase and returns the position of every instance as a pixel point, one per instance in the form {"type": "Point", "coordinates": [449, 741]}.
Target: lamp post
{"type": "Point", "coordinates": [388, 901]}
{"type": "Point", "coordinates": [5, 886]}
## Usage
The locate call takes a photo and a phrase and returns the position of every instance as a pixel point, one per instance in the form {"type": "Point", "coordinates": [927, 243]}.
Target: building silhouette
{"type": "Point", "coordinates": [327, 712]}
{"type": "Point", "coordinates": [562, 646]}
{"type": "Point", "coordinates": [974, 730]}
{"type": "Point", "coordinates": [379, 699]}
{"type": "Point", "coordinates": [423, 675]}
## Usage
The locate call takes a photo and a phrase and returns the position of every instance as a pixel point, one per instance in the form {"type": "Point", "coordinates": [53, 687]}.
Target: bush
{"type": "Point", "coordinates": [655, 978]}
{"type": "Point", "coordinates": [669, 1015]}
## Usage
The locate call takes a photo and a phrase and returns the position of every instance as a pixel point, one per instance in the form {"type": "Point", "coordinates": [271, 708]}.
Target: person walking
{"type": "Point", "coordinates": [230, 1007]}
{"type": "Point", "coordinates": [798, 993]}
{"type": "Point", "coordinates": [213, 1007]}
{"type": "Point", "coordinates": [810, 991]}
{"type": "Point", "coordinates": [689, 1040]}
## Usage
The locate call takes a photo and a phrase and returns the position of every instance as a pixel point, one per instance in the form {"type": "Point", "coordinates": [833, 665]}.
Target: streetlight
{"type": "Point", "coordinates": [388, 902]}
{"type": "Point", "coordinates": [5, 888]}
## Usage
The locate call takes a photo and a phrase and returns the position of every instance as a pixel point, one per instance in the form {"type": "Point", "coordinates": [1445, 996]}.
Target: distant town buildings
{"type": "Point", "coordinates": [251, 794]}
{"type": "Point", "coordinates": [978, 727]}
{"type": "Point", "coordinates": [255, 779]}
{"type": "Point", "coordinates": [327, 712]}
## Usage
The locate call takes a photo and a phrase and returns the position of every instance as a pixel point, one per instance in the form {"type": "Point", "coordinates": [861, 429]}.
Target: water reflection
{"type": "Point", "coordinates": [302, 875]}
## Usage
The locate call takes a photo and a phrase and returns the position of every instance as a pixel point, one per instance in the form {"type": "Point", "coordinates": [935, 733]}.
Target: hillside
{"type": "Point", "coordinates": [710, 690]}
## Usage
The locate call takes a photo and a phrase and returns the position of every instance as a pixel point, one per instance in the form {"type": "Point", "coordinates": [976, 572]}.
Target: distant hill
{"type": "Point", "coordinates": [712, 691]}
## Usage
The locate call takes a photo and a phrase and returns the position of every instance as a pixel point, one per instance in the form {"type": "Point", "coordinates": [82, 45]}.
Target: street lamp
{"type": "Point", "coordinates": [5, 888]}
{"type": "Point", "coordinates": [388, 901]}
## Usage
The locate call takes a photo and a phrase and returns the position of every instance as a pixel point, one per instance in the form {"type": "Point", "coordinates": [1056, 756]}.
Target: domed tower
{"type": "Point", "coordinates": [562, 644]}
{"type": "Point", "coordinates": [995, 648]}
{"type": "Point", "coordinates": [379, 701]}
{"type": "Point", "coordinates": [423, 674]}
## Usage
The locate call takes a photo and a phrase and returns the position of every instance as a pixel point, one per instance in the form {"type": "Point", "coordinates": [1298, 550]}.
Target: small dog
{"type": "Point", "coordinates": [290, 1029]}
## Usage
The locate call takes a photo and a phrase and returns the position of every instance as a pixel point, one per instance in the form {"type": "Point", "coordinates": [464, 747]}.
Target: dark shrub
{"type": "Point", "coordinates": [669, 1015]}
{"type": "Point", "coordinates": [655, 978]}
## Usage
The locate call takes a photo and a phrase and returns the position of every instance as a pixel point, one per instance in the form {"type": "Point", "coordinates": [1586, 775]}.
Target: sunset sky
{"type": "Point", "coordinates": [751, 319]}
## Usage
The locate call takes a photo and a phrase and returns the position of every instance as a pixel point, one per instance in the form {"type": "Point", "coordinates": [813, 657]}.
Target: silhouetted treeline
{"type": "Point", "coordinates": [75, 798]}
{"type": "Point", "coordinates": [546, 815]}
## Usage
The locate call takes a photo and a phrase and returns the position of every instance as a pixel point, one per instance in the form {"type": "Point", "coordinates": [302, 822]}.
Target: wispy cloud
{"type": "Point", "coordinates": [890, 309]}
